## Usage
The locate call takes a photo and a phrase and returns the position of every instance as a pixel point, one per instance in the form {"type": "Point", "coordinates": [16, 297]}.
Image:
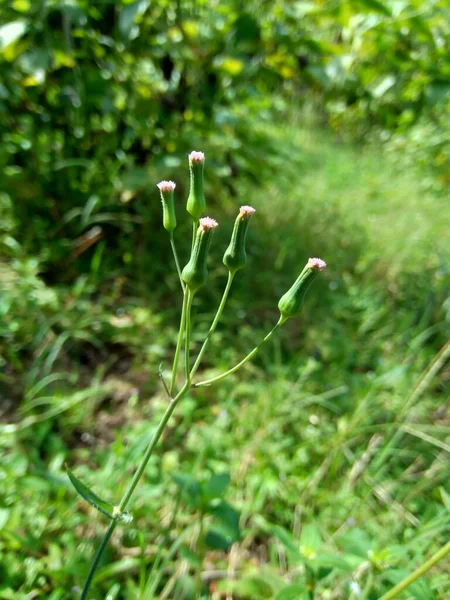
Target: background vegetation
{"type": "Point", "coordinates": [322, 471]}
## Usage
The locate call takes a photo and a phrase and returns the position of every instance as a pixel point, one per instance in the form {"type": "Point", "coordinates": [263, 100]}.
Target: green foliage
{"type": "Point", "coordinates": [104, 507]}
{"type": "Point", "coordinates": [325, 468]}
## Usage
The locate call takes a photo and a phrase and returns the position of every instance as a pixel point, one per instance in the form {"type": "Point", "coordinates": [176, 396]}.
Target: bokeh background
{"type": "Point", "coordinates": [328, 457]}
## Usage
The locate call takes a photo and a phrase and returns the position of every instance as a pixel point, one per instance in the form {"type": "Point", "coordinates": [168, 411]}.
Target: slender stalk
{"type": "Point", "coordinates": [97, 558]}
{"type": "Point", "coordinates": [130, 490]}
{"type": "Point", "coordinates": [175, 256]}
{"type": "Point", "coordinates": [244, 360]}
{"type": "Point", "coordinates": [190, 297]}
{"type": "Point", "coordinates": [176, 357]}
{"type": "Point", "coordinates": [400, 587]}
{"type": "Point", "coordinates": [194, 232]}
{"type": "Point", "coordinates": [213, 324]}
{"type": "Point", "coordinates": [200, 554]}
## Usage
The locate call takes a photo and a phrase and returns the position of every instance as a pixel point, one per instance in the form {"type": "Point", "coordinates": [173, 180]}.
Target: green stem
{"type": "Point", "coordinates": [400, 587]}
{"type": "Point", "coordinates": [214, 323]}
{"type": "Point", "coordinates": [190, 297]}
{"type": "Point", "coordinates": [194, 232]}
{"type": "Point", "coordinates": [130, 490]}
{"type": "Point", "coordinates": [176, 357]}
{"type": "Point", "coordinates": [243, 361]}
{"type": "Point", "coordinates": [97, 558]}
{"type": "Point", "coordinates": [175, 256]}
{"type": "Point", "coordinates": [200, 554]}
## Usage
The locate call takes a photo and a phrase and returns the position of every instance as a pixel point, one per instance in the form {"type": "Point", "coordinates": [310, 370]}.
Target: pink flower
{"type": "Point", "coordinates": [247, 211]}
{"type": "Point", "coordinates": [207, 223]}
{"type": "Point", "coordinates": [316, 263]}
{"type": "Point", "coordinates": [166, 186]}
{"type": "Point", "coordinates": [196, 157]}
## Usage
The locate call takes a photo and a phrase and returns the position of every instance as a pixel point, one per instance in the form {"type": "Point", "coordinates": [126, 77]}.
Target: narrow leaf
{"type": "Point", "coordinates": [104, 507]}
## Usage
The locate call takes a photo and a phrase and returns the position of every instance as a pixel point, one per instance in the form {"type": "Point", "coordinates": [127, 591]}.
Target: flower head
{"type": "Point", "coordinates": [195, 273]}
{"type": "Point", "coordinates": [290, 305]}
{"type": "Point", "coordinates": [316, 263]}
{"type": "Point", "coordinates": [166, 189]}
{"type": "Point", "coordinates": [247, 211]}
{"type": "Point", "coordinates": [196, 202]}
{"type": "Point", "coordinates": [166, 186]}
{"type": "Point", "coordinates": [235, 256]}
{"type": "Point", "coordinates": [196, 157]}
{"type": "Point", "coordinates": [206, 223]}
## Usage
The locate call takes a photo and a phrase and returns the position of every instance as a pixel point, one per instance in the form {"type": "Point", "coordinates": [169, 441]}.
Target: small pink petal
{"type": "Point", "coordinates": [166, 186]}
{"type": "Point", "coordinates": [196, 157]}
{"type": "Point", "coordinates": [207, 223]}
{"type": "Point", "coordinates": [316, 263]}
{"type": "Point", "coordinates": [248, 211]}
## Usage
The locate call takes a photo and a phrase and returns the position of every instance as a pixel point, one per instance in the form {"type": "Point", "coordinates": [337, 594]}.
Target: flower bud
{"type": "Point", "coordinates": [235, 257]}
{"type": "Point", "coordinates": [196, 203]}
{"type": "Point", "coordinates": [195, 273]}
{"type": "Point", "coordinates": [291, 303]}
{"type": "Point", "coordinates": [169, 219]}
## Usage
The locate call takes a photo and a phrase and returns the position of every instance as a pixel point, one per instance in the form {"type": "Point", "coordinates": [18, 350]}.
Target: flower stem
{"type": "Point", "coordinates": [97, 558]}
{"type": "Point", "coordinates": [194, 232]}
{"type": "Point", "coordinates": [213, 324]}
{"type": "Point", "coordinates": [400, 587]}
{"type": "Point", "coordinates": [175, 256]}
{"type": "Point", "coordinates": [244, 360]}
{"type": "Point", "coordinates": [190, 297]}
{"type": "Point", "coordinates": [176, 357]}
{"type": "Point", "coordinates": [130, 490]}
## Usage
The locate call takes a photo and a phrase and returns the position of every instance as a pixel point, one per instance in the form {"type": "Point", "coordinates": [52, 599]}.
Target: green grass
{"type": "Point", "coordinates": [336, 439]}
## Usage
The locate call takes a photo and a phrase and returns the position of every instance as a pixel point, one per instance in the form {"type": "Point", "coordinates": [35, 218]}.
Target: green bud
{"type": "Point", "coordinates": [235, 257]}
{"type": "Point", "coordinates": [196, 202]}
{"type": "Point", "coordinates": [291, 303]}
{"type": "Point", "coordinates": [195, 273]}
{"type": "Point", "coordinates": [169, 218]}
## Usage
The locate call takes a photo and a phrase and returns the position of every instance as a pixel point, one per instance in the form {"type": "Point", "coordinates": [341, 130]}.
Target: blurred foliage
{"type": "Point", "coordinates": [99, 101]}
{"type": "Point", "coordinates": [95, 97]}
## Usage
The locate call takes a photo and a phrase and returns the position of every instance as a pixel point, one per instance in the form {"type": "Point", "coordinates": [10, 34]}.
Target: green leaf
{"type": "Point", "coordinates": [11, 32]}
{"type": "Point", "coordinates": [229, 517]}
{"type": "Point", "coordinates": [220, 537]}
{"type": "Point", "coordinates": [355, 541]}
{"type": "Point", "coordinates": [189, 487]}
{"type": "Point", "coordinates": [420, 590]}
{"type": "Point", "coordinates": [288, 541]}
{"type": "Point", "coordinates": [185, 588]}
{"type": "Point", "coordinates": [332, 561]}
{"type": "Point", "coordinates": [216, 486]}
{"type": "Point", "coordinates": [292, 592]}
{"type": "Point", "coordinates": [104, 507]}
{"type": "Point", "coordinates": [376, 6]}
{"type": "Point", "coordinates": [310, 541]}
{"type": "Point", "coordinates": [253, 588]}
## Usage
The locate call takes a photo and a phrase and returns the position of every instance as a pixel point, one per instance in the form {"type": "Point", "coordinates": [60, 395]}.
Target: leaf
{"type": "Point", "coordinates": [253, 588]}
{"type": "Point", "coordinates": [355, 542]}
{"type": "Point", "coordinates": [189, 486]}
{"type": "Point", "coordinates": [11, 32]}
{"type": "Point", "coordinates": [128, 15]}
{"type": "Point", "coordinates": [216, 486]}
{"type": "Point", "coordinates": [287, 540]}
{"type": "Point", "coordinates": [445, 498]}
{"type": "Point", "coordinates": [420, 590]}
{"type": "Point", "coordinates": [310, 541]}
{"type": "Point", "coordinates": [383, 86]}
{"type": "Point", "coordinates": [220, 537]}
{"type": "Point", "coordinates": [332, 561]}
{"type": "Point", "coordinates": [104, 507]}
{"type": "Point", "coordinates": [291, 592]}
{"type": "Point", "coordinates": [376, 6]}
{"type": "Point", "coordinates": [185, 588]}
{"type": "Point", "coordinates": [229, 516]}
